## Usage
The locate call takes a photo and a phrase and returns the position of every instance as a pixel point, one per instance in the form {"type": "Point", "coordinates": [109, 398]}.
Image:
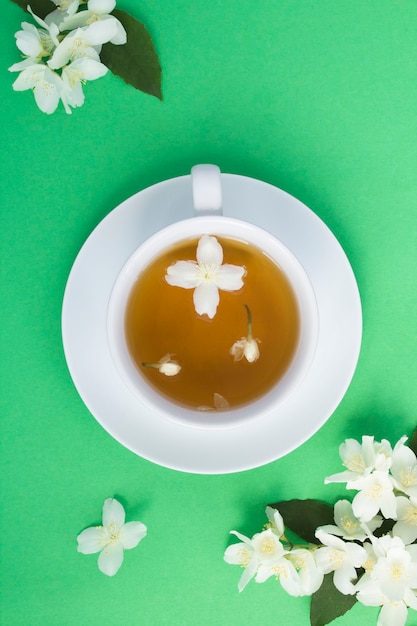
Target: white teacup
{"type": "Point", "coordinates": [208, 220]}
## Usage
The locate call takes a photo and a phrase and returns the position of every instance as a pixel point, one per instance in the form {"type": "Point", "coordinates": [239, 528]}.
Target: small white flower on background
{"type": "Point", "coordinates": [406, 526]}
{"type": "Point", "coordinates": [339, 557]}
{"type": "Point", "coordinates": [206, 276]}
{"type": "Point", "coordinates": [275, 521]}
{"type": "Point", "coordinates": [391, 613]}
{"type": "Point", "coordinates": [347, 525]}
{"type": "Point", "coordinates": [73, 56]}
{"type": "Point", "coordinates": [270, 554]}
{"type": "Point", "coordinates": [375, 494]}
{"type": "Point", "coordinates": [360, 459]}
{"type": "Point", "coordinates": [36, 43]}
{"type": "Point", "coordinates": [264, 556]}
{"type": "Point", "coordinates": [309, 574]}
{"type": "Point", "coordinates": [396, 567]}
{"type": "Point", "coordinates": [74, 76]}
{"type": "Point", "coordinates": [82, 42]}
{"type": "Point", "coordinates": [261, 557]}
{"type": "Point", "coordinates": [404, 469]}
{"type": "Point", "coordinates": [247, 346]}
{"type": "Point", "coordinates": [379, 571]}
{"type": "Point", "coordinates": [165, 365]}
{"type": "Point", "coordinates": [390, 579]}
{"type": "Point", "coordinates": [46, 84]}
{"type": "Point", "coordinates": [97, 10]}
{"type": "Point", "coordinates": [111, 538]}
{"type": "Point", "coordinates": [242, 554]}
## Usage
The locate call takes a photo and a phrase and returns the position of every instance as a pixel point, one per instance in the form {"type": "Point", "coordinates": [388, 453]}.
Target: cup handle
{"type": "Point", "coordinates": [207, 190]}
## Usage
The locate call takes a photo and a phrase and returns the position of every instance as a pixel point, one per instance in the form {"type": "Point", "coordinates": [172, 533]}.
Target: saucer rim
{"type": "Point", "coordinates": [243, 435]}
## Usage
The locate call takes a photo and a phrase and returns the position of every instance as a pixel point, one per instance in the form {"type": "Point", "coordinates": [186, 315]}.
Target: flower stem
{"type": "Point", "coordinates": [154, 365]}
{"type": "Point", "coordinates": [249, 314]}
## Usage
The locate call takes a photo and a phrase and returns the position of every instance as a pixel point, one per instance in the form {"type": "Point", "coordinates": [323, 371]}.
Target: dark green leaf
{"type": "Point", "coordinates": [304, 516]}
{"type": "Point", "coordinates": [385, 528]}
{"type": "Point", "coordinates": [136, 62]}
{"type": "Point", "coordinates": [328, 603]}
{"type": "Point", "coordinates": [39, 7]}
{"type": "Point", "coordinates": [412, 443]}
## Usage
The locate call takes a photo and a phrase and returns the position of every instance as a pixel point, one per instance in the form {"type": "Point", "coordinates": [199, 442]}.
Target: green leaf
{"type": "Point", "coordinates": [304, 516]}
{"type": "Point", "coordinates": [328, 603]}
{"type": "Point", "coordinates": [413, 442]}
{"type": "Point", "coordinates": [136, 62]}
{"type": "Point", "coordinates": [39, 7]}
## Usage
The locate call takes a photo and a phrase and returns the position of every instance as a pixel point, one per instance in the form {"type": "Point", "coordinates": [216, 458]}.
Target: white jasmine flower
{"type": "Point", "coordinates": [262, 556]}
{"type": "Point", "coordinates": [404, 469]}
{"type": "Point", "coordinates": [375, 494]}
{"type": "Point", "coordinates": [339, 557]}
{"type": "Point", "coordinates": [247, 346]}
{"type": "Point", "coordinates": [34, 42]}
{"type": "Point", "coordinates": [309, 574]}
{"type": "Point", "coordinates": [96, 10]}
{"type": "Point", "coordinates": [206, 276]}
{"type": "Point", "coordinates": [360, 459]}
{"type": "Point", "coordinates": [31, 43]}
{"type": "Point", "coordinates": [82, 42]}
{"type": "Point", "coordinates": [270, 554]}
{"type": "Point", "coordinates": [111, 538]}
{"type": "Point", "coordinates": [406, 526]}
{"type": "Point", "coordinates": [45, 83]}
{"type": "Point", "coordinates": [392, 613]}
{"type": "Point", "coordinates": [390, 579]}
{"type": "Point", "coordinates": [73, 77]}
{"type": "Point", "coordinates": [348, 526]}
{"type": "Point", "coordinates": [242, 554]}
{"type": "Point", "coordinates": [165, 365]}
{"type": "Point", "coordinates": [396, 567]}
{"type": "Point", "coordinates": [275, 521]}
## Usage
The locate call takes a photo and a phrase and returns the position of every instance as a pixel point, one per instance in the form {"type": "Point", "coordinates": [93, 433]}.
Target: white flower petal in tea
{"type": "Point", "coordinates": [206, 276]}
{"type": "Point", "coordinates": [220, 402]}
{"type": "Point", "coordinates": [247, 346]}
{"type": "Point", "coordinates": [111, 538]}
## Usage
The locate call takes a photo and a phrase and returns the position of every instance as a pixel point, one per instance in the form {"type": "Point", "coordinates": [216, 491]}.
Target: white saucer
{"type": "Point", "coordinates": [171, 444]}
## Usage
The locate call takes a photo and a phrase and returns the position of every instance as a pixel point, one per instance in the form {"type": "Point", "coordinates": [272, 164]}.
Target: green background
{"type": "Point", "coordinates": [316, 97]}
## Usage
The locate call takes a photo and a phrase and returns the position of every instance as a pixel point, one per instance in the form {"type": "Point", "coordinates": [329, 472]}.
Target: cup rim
{"type": "Point", "coordinates": [216, 225]}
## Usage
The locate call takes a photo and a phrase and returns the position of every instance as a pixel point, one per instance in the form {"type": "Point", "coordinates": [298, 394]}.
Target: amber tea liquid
{"type": "Point", "coordinates": [160, 319]}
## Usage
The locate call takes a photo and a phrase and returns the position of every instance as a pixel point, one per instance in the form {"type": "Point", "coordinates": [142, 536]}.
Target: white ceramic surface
{"type": "Point", "coordinates": [252, 443]}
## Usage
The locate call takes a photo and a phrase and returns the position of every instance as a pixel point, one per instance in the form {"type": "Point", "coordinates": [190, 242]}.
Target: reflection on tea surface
{"type": "Point", "coordinates": [205, 358]}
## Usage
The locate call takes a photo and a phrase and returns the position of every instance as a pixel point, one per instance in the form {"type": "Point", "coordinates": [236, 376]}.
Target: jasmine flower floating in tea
{"type": "Point", "coordinates": [165, 365]}
{"type": "Point", "coordinates": [206, 276]}
{"type": "Point", "coordinates": [247, 346]}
